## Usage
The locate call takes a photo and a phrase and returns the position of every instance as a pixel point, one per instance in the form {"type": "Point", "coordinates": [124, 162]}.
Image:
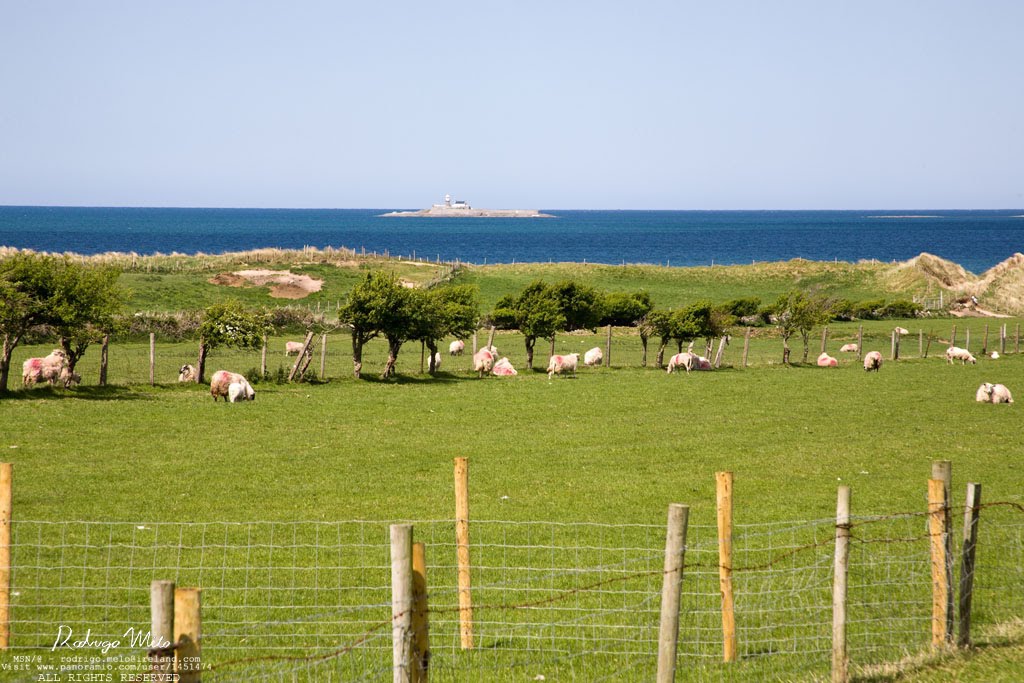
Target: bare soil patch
{"type": "Point", "coordinates": [283, 283]}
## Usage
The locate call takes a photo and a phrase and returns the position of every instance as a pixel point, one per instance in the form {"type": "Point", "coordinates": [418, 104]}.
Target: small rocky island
{"type": "Point", "coordinates": [460, 208]}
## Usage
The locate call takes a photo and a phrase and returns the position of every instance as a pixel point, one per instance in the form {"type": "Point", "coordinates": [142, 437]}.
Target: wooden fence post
{"type": "Point", "coordinates": [824, 338]}
{"type": "Point", "coordinates": [152, 359]}
{"type": "Point", "coordinates": [552, 345]}
{"type": "Point", "coordinates": [943, 470]}
{"type": "Point", "coordinates": [860, 342]}
{"type": "Point", "coordinates": [1002, 340]}
{"type": "Point", "coordinates": [939, 561]}
{"type": "Point", "coordinates": [746, 346]}
{"type": "Point", "coordinates": [984, 342]}
{"type": "Point", "coordinates": [895, 345]}
{"type": "Point", "coordinates": [490, 338]}
{"type": "Point", "coordinates": [474, 343]}
{"type": "Point", "coordinates": [671, 584]}
{"type": "Point", "coordinates": [723, 495]}
{"type": "Point", "coordinates": [303, 359]}
{"type": "Point", "coordinates": [263, 358]}
{"type": "Point", "coordinates": [401, 602]}
{"type": "Point", "coordinates": [103, 360]}
{"type": "Point", "coordinates": [722, 343]}
{"type": "Point", "coordinates": [920, 343]}
{"type": "Point", "coordinates": [6, 511]}
{"type": "Point", "coordinates": [967, 339]}
{"type": "Point", "coordinates": [840, 661]}
{"type": "Point", "coordinates": [1016, 338]}
{"type": "Point", "coordinates": [971, 514]}
{"type": "Point", "coordinates": [608, 349]}
{"type": "Point", "coordinates": [462, 552]}
{"type": "Point", "coordinates": [187, 634]}
{"type": "Point", "coordinates": [420, 616]}
{"type": "Point", "coordinates": [161, 611]}
{"type": "Point", "coordinates": [323, 356]}
{"type": "Point", "coordinates": [952, 337]}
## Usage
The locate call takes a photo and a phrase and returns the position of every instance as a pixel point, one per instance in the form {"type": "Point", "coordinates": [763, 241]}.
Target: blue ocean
{"type": "Point", "coordinates": [977, 240]}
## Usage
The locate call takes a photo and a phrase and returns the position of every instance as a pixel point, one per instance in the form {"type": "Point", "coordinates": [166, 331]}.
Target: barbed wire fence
{"type": "Point", "coordinates": [294, 601]}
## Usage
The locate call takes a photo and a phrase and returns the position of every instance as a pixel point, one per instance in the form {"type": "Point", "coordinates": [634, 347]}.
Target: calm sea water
{"type": "Point", "coordinates": [976, 240]}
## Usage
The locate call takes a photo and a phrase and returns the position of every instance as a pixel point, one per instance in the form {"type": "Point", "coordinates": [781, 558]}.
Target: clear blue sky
{"type": "Point", "coordinates": [602, 105]}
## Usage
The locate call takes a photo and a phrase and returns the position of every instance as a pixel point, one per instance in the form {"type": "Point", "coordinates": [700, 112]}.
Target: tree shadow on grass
{"type": "Point", "coordinates": [108, 393]}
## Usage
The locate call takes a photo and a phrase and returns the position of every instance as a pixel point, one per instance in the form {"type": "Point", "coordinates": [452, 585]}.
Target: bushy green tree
{"type": "Point", "coordinates": [229, 324]}
{"type": "Point", "coordinates": [74, 299]}
{"type": "Point", "coordinates": [444, 311]}
{"type": "Point", "coordinates": [625, 308]}
{"type": "Point", "coordinates": [798, 312]}
{"type": "Point", "coordinates": [582, 306]}
{"type": "Point", "coordinates": [536, 312]}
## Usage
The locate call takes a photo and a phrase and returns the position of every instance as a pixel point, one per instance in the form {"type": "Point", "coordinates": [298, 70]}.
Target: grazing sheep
{"type": "Point", "coordinates": [559, 364]}
{"type": "Point", "coordinates": [220, 386]}
{"type": "Point", "coordinates": [848, 348]}
{"type": "Point", "coordinates": [593, 357]}
{"type": "Point", "coordinates": [293, 348]}
{"type": "Point", "coordinates": [827, 361]}
{"type": "Point", "coordinates": [963, 355]}
{"type": "Point", "coordinates": [437, 361]}
{"type": "Point", "coordinates": [503, 368]}
{"type": "Point", "coordinates": [873, 361]}
{"type": "Point", "coordinates": [901, 330]}
{"type": "Point", "coordinates": [702, 363]}
{"type": "Point", "coordinates": [187, 373]}
{"type": "Point", "coordinates": [69, 378]}
{"type": "Point", "coordinates": [686, 359]}
{"type": "Point", "coordinates": [46, 369]}
{"type": "Point", "coordinates": [483, 361]}
{"type": "Point", "coordinates": [456, 347]}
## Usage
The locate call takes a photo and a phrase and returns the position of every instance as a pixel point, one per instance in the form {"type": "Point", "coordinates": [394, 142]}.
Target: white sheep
{"type": "Point", "coordinates": [187, 373]}
{"type": "Point", "coordinates": [456, 347]}
{"type": "Point", "coordinates": [559, 364]}
{"type": "Point", "coordinates": [962, 355]}
{"type": "Point", "coordinates": [849, 348]}
{"type": "Point", "coordinates": [872, 361]}
{"type": "Point", "coordinates": [46, 369]}
{"type": "Point", "coordinates": [220, 386]}
{"type": "Point", "coordinates": [993, 393]}
{"type": "Point", "coordinates": [69, 378]}
{"type": "Point", "coordinates": [686, 360]}
{"type": "Point", "coordinates": [901, 331]}
{"type": "Point", "coordinates": [483, 361]}
{"type": "Point", "coordinates": [293, 348]}
{"type": "Point", "coordinates": [593, 357]}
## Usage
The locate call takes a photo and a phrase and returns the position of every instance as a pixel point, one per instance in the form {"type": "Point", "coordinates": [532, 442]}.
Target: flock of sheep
{"type": "Point", "coordinates": [233, 387]}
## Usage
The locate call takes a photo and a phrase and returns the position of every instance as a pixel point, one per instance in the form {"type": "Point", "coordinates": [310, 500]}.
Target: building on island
{"type": "Point", "coordinates": [450, 204]}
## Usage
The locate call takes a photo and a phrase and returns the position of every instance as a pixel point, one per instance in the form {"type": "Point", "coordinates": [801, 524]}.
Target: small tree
{"type": "Point", "coordinates": [86, 307]}
{"type": "Point", "coordinates": [366, 309]}
{"type": "Point", "coordinates": [535, 312]}
{"type": "Point", "coordinates": [229, 324]}
{"type": "Point", "coordinates": [444, 311]}
{"type": "Point", "coordinates": [622, 309]}
{"type": "Point", "coordinates": [798, 312]}
{"type": "Point", "coordinates": [658, 323]}
{"type": "Point", "coordinates": [582, 306]}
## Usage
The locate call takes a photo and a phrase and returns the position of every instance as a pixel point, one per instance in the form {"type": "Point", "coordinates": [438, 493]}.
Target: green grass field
{"type": "Point", "coordinates": [570, 481]}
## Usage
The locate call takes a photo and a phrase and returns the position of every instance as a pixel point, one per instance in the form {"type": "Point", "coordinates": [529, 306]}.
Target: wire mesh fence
{"type": "Point", "coordinates": [551, 601]}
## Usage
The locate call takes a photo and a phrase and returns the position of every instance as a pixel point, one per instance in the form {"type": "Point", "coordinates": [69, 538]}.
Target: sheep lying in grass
{"type": "Point", "coordinates": [827, 361]}
{"type": "Point", "coordinates": [187, 373]}
{"type": "Point", "coordinates": [993, 393]}
{"type": "Point", "coordinates": [849, 348]}
{"type": "Point", "coordinates": [593, 357]}
{"type": "Point", "coordinates": [503, 368]}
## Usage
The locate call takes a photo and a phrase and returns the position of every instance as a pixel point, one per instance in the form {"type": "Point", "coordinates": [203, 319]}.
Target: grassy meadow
{"type": "Point", "coordinates": [279, 508]}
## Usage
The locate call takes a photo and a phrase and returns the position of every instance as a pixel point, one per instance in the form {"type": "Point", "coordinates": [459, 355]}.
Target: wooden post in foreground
{"type": "Point", "coordinates": [420, 619]}
{"type": "Point", "coordinates": [671, 584]}
{"type": "Point", "coordinates": [939, 561]}
{"type": "Point", "coordinates": [462, 552]}
{"type": "Point", "coordinates": [971, 514]}
{"type": "Point", "coordinates": [746, 346]}
{"type": "Point", "coordinates": [401, 602]}
{"type": "Point", "coordinates": [840, 661]}
{"type": "Point", "coordinates": [152, 359]}
{"type": "Point", "coordinates": [824, 338]}
{"type": "Point", "coordinates": [943, 469]}
{"type": "Point", "coordinates": [187, 634]}
{"type": "Point", "coordinates": [161, 630]}
{"type": "Point", "coordinates": [6, 480]}
{"type": "Point", "coordinates": [723, 496]}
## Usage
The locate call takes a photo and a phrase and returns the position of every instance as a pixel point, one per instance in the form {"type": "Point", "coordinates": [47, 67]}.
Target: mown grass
{"type": "Point", "coordinates": [613, 446]}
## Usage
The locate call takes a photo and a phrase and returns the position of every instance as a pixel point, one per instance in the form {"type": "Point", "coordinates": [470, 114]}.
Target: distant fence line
{"type": "Point", "coordinates": [356, 600]}
{"type": "Point", "coordinates": [330, 354]}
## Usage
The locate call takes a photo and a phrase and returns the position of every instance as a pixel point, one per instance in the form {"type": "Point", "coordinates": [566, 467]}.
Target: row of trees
{"type": "Point", "coordinates": [80, 304]}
